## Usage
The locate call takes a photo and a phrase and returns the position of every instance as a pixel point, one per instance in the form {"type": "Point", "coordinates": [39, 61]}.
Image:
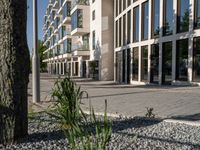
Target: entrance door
{"type": "Point", "coordinates": [154, 63]}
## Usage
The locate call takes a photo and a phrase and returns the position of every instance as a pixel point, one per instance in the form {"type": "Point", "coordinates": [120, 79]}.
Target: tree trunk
{"type": "Point", "coordinates": [14, 70]}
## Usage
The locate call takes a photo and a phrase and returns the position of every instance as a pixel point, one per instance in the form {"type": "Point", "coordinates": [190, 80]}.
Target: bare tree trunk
{"type": "Point", "coordinates": [14, 70]}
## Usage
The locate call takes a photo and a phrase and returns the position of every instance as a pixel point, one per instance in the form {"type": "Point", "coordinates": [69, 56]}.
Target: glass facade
{"type": "Point", "coordinates": [183, 16]}
{"type": "Point", "coordinates": [135, 63]}
{"type": "Point", "coordinates": [129, 27]}
{"type": "Point", "coordinates": [77, 19]}
{"type": "Point", "coordinates": [197, 14]}
{"type": "Point", "coordinates": [145, 20]}
{"type": "Point", "coordinates": [182, 60]}
{"type": "Point", "coordinates": [144, 63]}
{"type": "Point", "coordinates": [154, 72]}
{"type": "Point", "coordinates": [196, 60]}
{"type": "Point", "coordinates": [136, 24]}
{"type": "Point", "coordinates": [156, 18]}
{"type": "Point", "coordinates": [124, 30]}
{"type": "Point", "coordinates": [168, 14]}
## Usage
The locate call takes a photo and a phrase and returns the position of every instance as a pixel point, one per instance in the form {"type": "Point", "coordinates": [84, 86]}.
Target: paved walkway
{"type": "Point", "coordinates": [130, 100]}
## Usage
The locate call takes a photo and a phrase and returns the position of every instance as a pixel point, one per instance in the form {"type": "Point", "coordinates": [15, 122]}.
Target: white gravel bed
{"type": "Point", "coordinates": [128, 134]}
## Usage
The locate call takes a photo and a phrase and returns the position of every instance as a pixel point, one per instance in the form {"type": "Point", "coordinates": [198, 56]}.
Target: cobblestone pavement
{"type": "Point", "coordinates": [130, 100]}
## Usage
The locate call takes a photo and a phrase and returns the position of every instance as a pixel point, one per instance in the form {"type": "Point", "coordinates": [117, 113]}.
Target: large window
{"type": "Point", "coordinates": [77, 19]}
{"type": "Point", "coordinates": [116, 8]}
{"type": "Point", "coordinates": [167, 63]}
{"type": "Point", "coordinates": [124, 4]}
{"type": "Point", "coordinates": [154, 63]}
{"type": "Point", "coordinates": [182, 60]}
{"type": "Point", "coordinates": [129, 27]}
{"type": "Point", "coordinates": [168, 15]}
{"type": "Point", "coordinates": [120, 31]}
{"type": "Point", "coordinates": [135, 64]}
{"type": "Point", "coordinates": [66, 10]}
{"type": "Point", "coordinates": [144, 65]}
{"type": "Point", "coordinates": [124, 30]}
{"type": "Point", "coordinates": [145, 20]}
{"type": "Point", "coordinates": [93, 40]}
{"type": "Point", "coordinates": [196, 59]}
{"type": "Point", "coordinates": [67, 46]}
{"type": "Point", "coordinates": [136, 24]}
{"type": "Point", "coordinates": [116, 34]}
{"type": "Point", "coordinates": [183, 16]}
{"type": "Point", "coordinates": [197, 14]}
{"type": "Point", "coordinates": [156, 18]}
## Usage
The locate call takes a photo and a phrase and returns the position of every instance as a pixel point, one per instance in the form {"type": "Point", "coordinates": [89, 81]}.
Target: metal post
{"type": "Point", "coordinates": [35, 59]}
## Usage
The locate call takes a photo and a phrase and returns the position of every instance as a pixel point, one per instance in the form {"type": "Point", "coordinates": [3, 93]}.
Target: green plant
{"type": "Point", "coordinates": [150, 113]}
{"type": "Point", "coordinates": [66, 109]}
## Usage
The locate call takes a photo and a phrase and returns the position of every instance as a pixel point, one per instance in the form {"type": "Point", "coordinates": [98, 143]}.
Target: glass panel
{"type": "Point", "coordinates": [77, 19]}
{"type": "Point", "coordinates": [116, 32]}
{"type": "Point", "coordinates": [145, 20]}
{"type": "Point", "coordinates": [154, 63]}
{"type": "Point", "coordinates": [144, 67]}
{"type": "Point", "coordinates": [136, 24]}
{"type": "Point", "coordinates": [135, 64]}
{"type": "Point", "coordinates": [182, 60]}
{"type": "Point", "coordinates": [124, 30]}
{"type": "Point", "coordinates": [156, 18]}
{"type": "Point", "coordinates": [196, 63]}
{"type": "Point", "coordinates": [129, 27]}
{"type": "Point", "coordinates": [197, 14]}
{"type": "Point", "coordinates": [120, 31]}
{"type": "Point", "coordinates": [168, 15]}
{"type": "Point", "coordinates": [183, 16]}
{"type": "Point", "coordinates": [167, 63]}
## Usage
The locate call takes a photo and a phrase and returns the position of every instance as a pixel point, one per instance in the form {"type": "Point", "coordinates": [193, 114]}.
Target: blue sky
{"type": "Point", "coordinates": [42, 4]}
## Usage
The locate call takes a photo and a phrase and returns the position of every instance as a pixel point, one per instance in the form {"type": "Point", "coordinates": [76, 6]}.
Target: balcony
{"type": "Point", "coordinates": [80, 50]}
{"type": "Point", "coordinates": [80, 21]}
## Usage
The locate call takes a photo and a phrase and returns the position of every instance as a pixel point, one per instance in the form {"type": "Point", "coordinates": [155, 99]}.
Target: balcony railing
{"type": "Point", "coordinates": [80, 2]}
{"type": "Point", "coordinates": [80, 47]}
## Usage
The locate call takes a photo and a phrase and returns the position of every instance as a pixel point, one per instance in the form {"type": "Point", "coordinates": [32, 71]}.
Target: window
{"type": "Point", "coordinates": [196, 60]}
{"type": "Point", "coordinates": [145, 20]}
{"type": "Point", "coordinates": [66, 10]}
{"type": "Point", "coordinates": [197, 14]}
{"type": "Point", "coordinates": [136, 24]}
{"type": "Point", "coordinates": [116, 34]}
{"type": "Point", "coordinates": [124, 30]}
{"type": "Point", "coordinates": [93, 15]}
{"type": "Point", "coordinates": [124, 4]}
{"type": "Point", "coordinates": [167, 17]}
{"type": "Point", "coordinates": [156, 18]}
{"type": "Point", "coordinates": [93, 1]}
{"type": "Point", "coordinates": [129, 27]}
{"type": "Point", "coordinates": [116, 8]}
{"type": "Point", "coordinates": [120, 6]}
{"type": "Point", "coordinates": [167, 63]}
{"type": "Point", "coordinates": [120, 31]}
{"type": "Point", "coordinates": [129, 2]}
{"type": "Point", "coordinates": [77, 19]}
{"type": "Point", "coordinates": [183, 16]}
{"type": "Point", "coordinates": [144, 65]}
{"type": "Point", "coordinates": [154, 71]}
{"type": "Point", "coordinates": [182, 60]}
{"type": "Point", "coordinates": [93, 40]}
{"type": "Point", "coordinates": [135, 63]}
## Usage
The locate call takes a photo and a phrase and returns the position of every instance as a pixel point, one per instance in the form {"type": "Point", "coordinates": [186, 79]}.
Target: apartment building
{"type": "Point", "coordinates": [157, 41]}
{"type": "Point", "coordinates": [79, 38]}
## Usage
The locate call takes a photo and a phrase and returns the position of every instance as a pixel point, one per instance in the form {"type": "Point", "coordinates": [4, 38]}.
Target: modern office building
{"type": "Point", "coordinates": [79, 37]}
{"type": "Point", "coordinates": [132, 41]}
{"type": "Point", "coordinates": [157, 41]}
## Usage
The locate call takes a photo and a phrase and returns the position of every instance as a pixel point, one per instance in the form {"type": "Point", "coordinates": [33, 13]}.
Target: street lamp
{"type": "Point", "coordinates": [35, 58]}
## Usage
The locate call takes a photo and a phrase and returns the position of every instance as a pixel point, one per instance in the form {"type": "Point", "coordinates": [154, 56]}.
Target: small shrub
{"type": "Point", "coordinates": [150, 113]}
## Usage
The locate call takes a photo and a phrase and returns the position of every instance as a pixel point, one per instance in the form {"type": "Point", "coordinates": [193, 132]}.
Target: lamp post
{"type": "Point", "coordinates": [35, 58]}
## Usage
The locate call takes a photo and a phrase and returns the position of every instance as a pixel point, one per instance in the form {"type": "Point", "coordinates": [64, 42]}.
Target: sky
{"type": "Point", "coordinates": [42, 5]}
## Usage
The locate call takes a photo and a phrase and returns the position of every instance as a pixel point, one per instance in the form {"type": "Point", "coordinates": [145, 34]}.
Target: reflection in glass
{"type": "Point", "coordinates": [167, 63]}
{"type": "Point", "coordinates": [197, 14]}
{"type": "Point", "coordinates": [154, 63]}
{"type": "Point", "coordinates": [168, 15]}
{"type": "Point", "coordinates": [135, 64]}
{"type": "Point", "coordinates": [182, 60]}
{"type": "Point", "coordinates": [183, 16]}
{"type": "Point", "coordinates": [136, 24]}
{"type": "Point", "coordinates": [145, 20]}
{"type": "Point", "coordinates": [196, 57]}
{"type": "Point", "coordinates": [144, 65]}
{"type": "Point", "coordinates": [156, 18]}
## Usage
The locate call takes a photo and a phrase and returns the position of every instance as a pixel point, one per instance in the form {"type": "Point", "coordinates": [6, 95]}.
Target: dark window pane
{"type": "Point", "coordinates": [183, 16]}
{"type": "Point", "coordinates": [129, 27]}
{"type": "Point", "coordinates": [156, 18]}
{"type": "Point", "coordinates": [154, 63]}
{"type": "Point", "coordinates": [145, 20]}
{"type": "Point", "coordinates": [144, 67]}
{"type": "Point", "coordinates": [135, 64]}
{"type": "Point", "coordinates": [136, 24]}
{"type": "Point", "coordinates": [168, 15]}
{"type": "Point", "coordinates": [196, 60]}
{"type": "Point", "coordinates": [182, 60]}
{"type": "Point", "coordinates": [197, 14]}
